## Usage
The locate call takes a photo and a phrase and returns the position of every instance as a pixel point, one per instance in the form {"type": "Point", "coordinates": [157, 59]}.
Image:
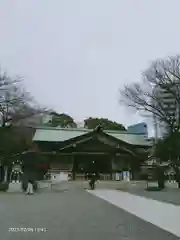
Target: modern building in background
{"type": "Point", "coordinates": [168, 103]}
{"type": "Point", "coordinates": [80, 124]}
{"type": "Point", "coordinates": [139, 128]}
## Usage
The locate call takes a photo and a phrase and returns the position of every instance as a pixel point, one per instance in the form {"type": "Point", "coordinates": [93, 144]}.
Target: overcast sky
{"type": "Point", "coordinates": [75, 54]}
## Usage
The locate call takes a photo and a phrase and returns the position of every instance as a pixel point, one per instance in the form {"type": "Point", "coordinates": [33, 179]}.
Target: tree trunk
{"type": "Point", "coordinates": [161, 184]}
{"type": "Point", "coordinates": [161, 178]}
{"type": "Point", "coordinates": [177, 171]}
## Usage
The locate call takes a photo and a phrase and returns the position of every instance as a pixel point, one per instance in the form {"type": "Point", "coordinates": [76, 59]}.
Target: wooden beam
{"type": "Point", "coordinates": [90, 153]}
{"type": "Point", "coordinates": [76, 153]}
{"type": "Point", "coordinates": [114, 144]}
{"type": "Point", "coordinates": [76, 142]}
{"type": "Point", "coordinates": [118, 155]}
{"type": "Point", "coordinates": [107, 141]}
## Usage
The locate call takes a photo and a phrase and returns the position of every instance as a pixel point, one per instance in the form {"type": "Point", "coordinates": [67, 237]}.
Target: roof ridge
{"type": "Point", "coordinates": [64, 129]}
{"type": "Point", "coordinates": [87, 130]}
{"type": "Point", "coordinates": [122, 132]}
{"type": "Point", "coordinates": [57, 134]}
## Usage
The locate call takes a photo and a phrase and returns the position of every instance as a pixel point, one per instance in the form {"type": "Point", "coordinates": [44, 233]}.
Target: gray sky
{"type": "Point", "coordinates": [75, 54]}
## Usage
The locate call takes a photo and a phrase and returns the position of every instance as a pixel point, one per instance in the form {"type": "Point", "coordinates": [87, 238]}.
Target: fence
{"type": "Point", "coordinates": [103, 177]}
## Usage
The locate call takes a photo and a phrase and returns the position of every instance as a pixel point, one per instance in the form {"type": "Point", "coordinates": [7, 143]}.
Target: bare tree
{"type": "Point", "coordinates": [161, 76]}
{"type": "Point", "coordinates": [15, 101]}
{"type": "Point", "coordinates": [158, 95]}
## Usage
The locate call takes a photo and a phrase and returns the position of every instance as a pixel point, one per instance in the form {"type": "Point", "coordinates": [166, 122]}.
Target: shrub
{"type": "Point", "coordinates": [4, 186]}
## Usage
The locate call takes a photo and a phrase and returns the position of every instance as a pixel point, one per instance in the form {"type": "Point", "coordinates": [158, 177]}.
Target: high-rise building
{"type": "Point", "coordinates": [167, 103]}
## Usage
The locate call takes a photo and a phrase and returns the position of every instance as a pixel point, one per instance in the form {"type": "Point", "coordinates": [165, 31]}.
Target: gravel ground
{"type": "Point", "coordinates": [73, 214]}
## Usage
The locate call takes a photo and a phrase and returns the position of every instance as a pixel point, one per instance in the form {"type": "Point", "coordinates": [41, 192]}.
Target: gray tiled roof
{"type": "Point", "coordinates": [56, 134]}
{"type": "Point", "coordinates": [134, 139]}
{"type": "Point", "coordinates": [51, 134]}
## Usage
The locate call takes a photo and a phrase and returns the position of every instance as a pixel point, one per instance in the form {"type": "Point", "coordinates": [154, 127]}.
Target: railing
{"type": "Point", "coordinates": [45, 184]}
{"type": "Point", "coordinates": [61, 167]}
{"type": "Point", "coordinates": [103, 177]}
{"type": "Point", "coordinates": [80, 176]}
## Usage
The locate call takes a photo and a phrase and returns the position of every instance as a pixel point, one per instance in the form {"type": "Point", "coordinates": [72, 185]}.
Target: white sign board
{"type": "Point", "coordinates": [58, 177]}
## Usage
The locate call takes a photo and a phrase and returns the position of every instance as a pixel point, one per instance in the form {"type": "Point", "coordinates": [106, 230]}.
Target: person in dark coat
{"type": "Point", "coordinates": [93, 181]}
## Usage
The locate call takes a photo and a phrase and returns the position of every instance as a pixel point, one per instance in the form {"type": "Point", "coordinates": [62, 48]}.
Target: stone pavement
{"type": "Point", "coordinates": [161, 214]}
{"type": "Point", "coordinates": [169, 194]}
{"type": "Point", "coordinates": [72, 214]}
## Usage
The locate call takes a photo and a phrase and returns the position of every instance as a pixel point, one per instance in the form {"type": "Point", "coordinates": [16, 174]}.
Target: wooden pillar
{"type": "Point", "coordinates": [1, 173]}
{"type": "Point", "coordinates": [73, 168]}
{"type": "Point", "coordinates": [5, 174]}
{"type": "Point", "coordinates": [112, 166]}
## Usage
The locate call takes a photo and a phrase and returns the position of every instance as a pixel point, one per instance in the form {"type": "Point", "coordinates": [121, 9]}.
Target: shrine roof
{"type": "Point", "coordinates": [56, 134]}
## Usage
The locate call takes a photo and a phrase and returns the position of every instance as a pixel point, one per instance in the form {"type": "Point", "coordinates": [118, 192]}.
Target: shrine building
{"type": "Point", "coordinates": [81, 151]}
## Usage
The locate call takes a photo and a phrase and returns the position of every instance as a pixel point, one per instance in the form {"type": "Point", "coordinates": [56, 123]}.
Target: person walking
{"type": "Point", "coordinates": [93, 181]}
{"type": "Point", "coordinates": [30, 188]}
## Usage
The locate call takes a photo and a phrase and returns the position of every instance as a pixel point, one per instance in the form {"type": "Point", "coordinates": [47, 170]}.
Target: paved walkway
{"type": "Point", "coordinates": [168, 195]}
{"type": "Point", "coordinates": [74, 214]}
{"type": "Point", "coordinates": [161, 214]}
